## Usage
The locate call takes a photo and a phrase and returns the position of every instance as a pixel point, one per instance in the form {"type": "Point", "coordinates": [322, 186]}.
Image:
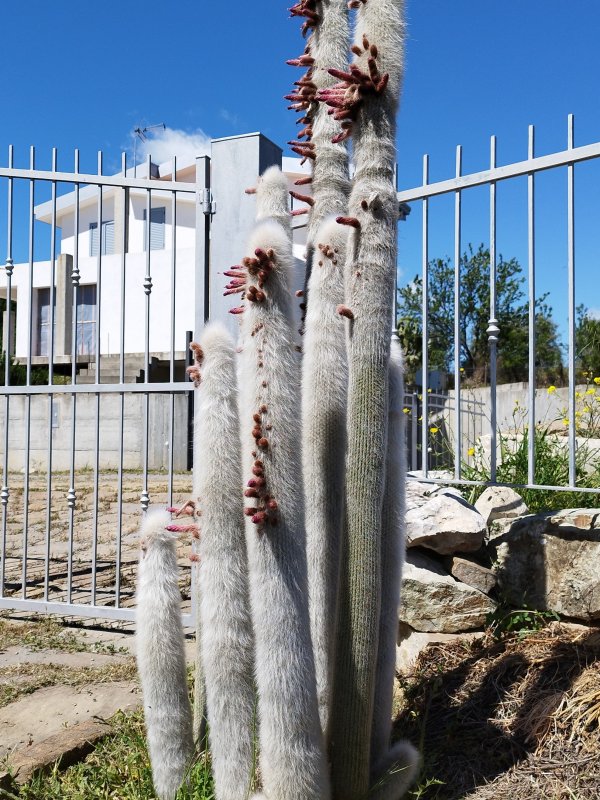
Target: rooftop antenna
{"type": "Point", "coordinates": [141, 134]}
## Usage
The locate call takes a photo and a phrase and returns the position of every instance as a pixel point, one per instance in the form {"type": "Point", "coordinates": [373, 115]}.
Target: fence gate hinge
{"type": "Point", "coordinates": [205, 200]}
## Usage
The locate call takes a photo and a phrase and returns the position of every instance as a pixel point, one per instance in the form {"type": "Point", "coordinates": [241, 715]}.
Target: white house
{"type": "Point", "coordinates": [109, 246]}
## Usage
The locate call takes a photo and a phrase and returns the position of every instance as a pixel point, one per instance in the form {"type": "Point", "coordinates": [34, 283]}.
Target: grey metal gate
{"type": "Point", "coordinates": [95, 397]}
{"type": "Point", "coordinates": [454, 412]}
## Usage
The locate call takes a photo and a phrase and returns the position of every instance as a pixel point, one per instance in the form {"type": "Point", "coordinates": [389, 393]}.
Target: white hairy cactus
{"type": "Point", "coordinates": [226, 628]}
{"type": "Point", "coordinates": [161, 656]}
{"type": "Point", "coordinates": [324, 383]}
{"type": "Point", "coordinates": [292, 762]}
{"type": "Point", "coordinates": [367, 93]}
{"type": "Point", "coordinates": [393, 768]}
{"type": "Point", "coordinates": [272, 198]}
{"type": "Point", "coordinates": [395, 772]}
{"type": "Point", "coordinates": [316, 140]}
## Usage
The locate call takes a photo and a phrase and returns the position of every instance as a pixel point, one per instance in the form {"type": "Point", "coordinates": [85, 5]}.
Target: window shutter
{"type": "Point", "coordinates": [108, 237]}
{"type": "Point", "coordinates": [157, 228]}
{"type": "Point", "coordinates": [93, 239]}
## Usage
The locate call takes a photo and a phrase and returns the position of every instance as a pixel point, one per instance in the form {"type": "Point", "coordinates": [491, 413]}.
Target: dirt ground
{"type": "Point", "coordinates": [95, 527]}
{"type": "Point", "coordinates": [509, 719]}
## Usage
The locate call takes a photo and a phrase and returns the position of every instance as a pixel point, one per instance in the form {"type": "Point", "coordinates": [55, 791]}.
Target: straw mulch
{"type": "Point", "coordinates": [511, 719]}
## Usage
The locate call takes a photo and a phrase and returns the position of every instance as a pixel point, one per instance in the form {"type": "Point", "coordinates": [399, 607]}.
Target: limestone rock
{"type": "Point", "coordinates": [412, 643]}
{"type": "Point", "coordinates": [432, 601]}
{"type": "Point", "coordinates": [473, 574]}
{"type": "Point", "coordinates": [500, 502]}
{"type": "Point", "coordinates": [550, 561]}
{"type": "Point", "coordinates": [447, 524]}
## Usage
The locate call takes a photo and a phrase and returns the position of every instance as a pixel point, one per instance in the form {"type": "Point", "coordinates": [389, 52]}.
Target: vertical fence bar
{"type": "Point", "coordinates": [101, 238]}
{"type": "Point", "coordinates": [27, 460]}
{"type": "Point", "coordinates": [414, 431]}
{"type": "Point", "coordinates": [123, 246]}
{"type": "Point", "coordinates": [75, 276]}
{"type": "Point", "coordinates": [493, 329]}
{"type": "Point", "coordinates": [532, 315]}
{"type": "Point", "coordinates": [145, 497]}
{"type": "Point", "coordinates": [457, 319]}
{"type": "Point", "coordinates": [170, 453]}
{"type": "Point", "coordinates": [8, 268]}
{"type": "Point", "coordinates": [50, 376]}
{"type": "Point", "coordinates": [425, 340]}
{"type": "Point", "coordinates": [571, 278]}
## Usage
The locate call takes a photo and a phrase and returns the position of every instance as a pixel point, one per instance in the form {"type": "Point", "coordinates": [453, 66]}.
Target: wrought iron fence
{"type": "Point", "coordinates": [457, 416]}
{"type": "Point", "coordinates": [78, 459]}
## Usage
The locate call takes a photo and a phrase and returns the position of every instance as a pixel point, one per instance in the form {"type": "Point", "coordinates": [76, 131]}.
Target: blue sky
{"type": "Point", "coordinates": [84, 75]}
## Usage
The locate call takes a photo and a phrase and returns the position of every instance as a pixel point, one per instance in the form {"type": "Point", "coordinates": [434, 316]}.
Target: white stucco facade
{"type": "Point", "coordinates": [172, 257]}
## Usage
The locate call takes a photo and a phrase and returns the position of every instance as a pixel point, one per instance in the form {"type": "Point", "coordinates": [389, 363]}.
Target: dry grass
{"type": "Point", "coordinates": [21, 679]}
{"type": "Point", "coordinates": [507, 720]}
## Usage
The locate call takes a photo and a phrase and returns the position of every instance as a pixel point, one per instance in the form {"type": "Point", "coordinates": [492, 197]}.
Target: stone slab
{"type": "Point", "coordinates": [47, 712]}
{"type": "Point", "coordinates": [23, 655]}
{"type": "Point", "coordinates": [446, 523]}
{"type": "Point", "coordinates": [433, 601]}
{"type": "Point", "coordinates": [412, 643]}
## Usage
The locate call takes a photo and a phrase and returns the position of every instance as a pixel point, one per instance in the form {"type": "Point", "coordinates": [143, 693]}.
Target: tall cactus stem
{"type": "Point", "coordinates": [392, 769]}
{"type": "Point", "coordinates": [370, 285]}
{"type": "Point", "coordinates": [226, 627]}
{"type": "Point", "coordinates": [396, 772]}
{"type": "Point", "coordinates": [161, 657]}
{"type": "Point", "coordinates": [324, 384]}
{"type": "Point", "coordinates": [272, 198]}
{"type": "Point", "coordinates": [330, 184]}
{"type": "Point", "coordinates": [292, 761]}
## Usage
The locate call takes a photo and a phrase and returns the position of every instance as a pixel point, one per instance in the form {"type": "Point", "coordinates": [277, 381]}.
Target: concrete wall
{"type": "Point", "coordinates": [85, 432]}
{"type": "Point", "coordinates": [236, 163]}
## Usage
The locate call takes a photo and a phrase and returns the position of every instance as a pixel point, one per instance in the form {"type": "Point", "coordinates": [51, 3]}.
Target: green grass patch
{"type": "Point", "coordinates": [118, 768]}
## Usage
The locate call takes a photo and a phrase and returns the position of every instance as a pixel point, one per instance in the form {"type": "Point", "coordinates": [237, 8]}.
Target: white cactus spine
{"type": "Point", "coordinates": [226, 628]}
{"type": "Point", "coordinates": [272, 199]}
{"type": "Point", "coordinates": [393, 767]}
{"type": "Point", "coordinates": [161, 657]}
{"type": "Point", "coordinates": [292, 761]}
{"type": "Point", "coordinates": [370, 285]}
{"type": "Point", "coordinates": [324, 384]}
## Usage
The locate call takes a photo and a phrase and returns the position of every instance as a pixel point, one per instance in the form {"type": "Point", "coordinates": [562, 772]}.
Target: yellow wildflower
{"type": "Point", "coordinates": [433, 430]}
{"type": "Point", "coordinates": [565, 421]}
{"type": "Point", "coordinates": [471, 451]}
{"type": "Point", "coordinates": [551, 389]}
{"type": "Point", "coordinates": [587, 409]}
{"type": "Point", "coordinates": [577, 394]}
{"type": "Point", "coordinates": [597, 381]}
{"type": "Point", "coordinates": [406, 410]}
{"type": "Point", "coordinates": [591, 390]}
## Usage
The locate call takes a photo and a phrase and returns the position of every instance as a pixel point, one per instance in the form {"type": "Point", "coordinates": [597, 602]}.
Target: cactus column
{"type": "Point", "coordinates": [368, 96]}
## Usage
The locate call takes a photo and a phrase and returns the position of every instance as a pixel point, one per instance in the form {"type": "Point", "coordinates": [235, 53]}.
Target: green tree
{"type": "Point", "coordinates": [511, 313]}
{"type": "Point", "coordinates": [587, 342]}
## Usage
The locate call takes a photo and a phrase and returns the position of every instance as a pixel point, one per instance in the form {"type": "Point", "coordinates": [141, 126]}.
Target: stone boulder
{"type": "Point", "coordinates": [470, 572]}
{"type": "Point", "coordinates": [432, 601]}
{"type": "Point", "coordinates": [551, 561]}
{"type": "Point", "coordinates": [500, 502]}
{"type": "Point", "coordinates": [445, 523]}
{"type": "Point", "coordinates": [412, 643]}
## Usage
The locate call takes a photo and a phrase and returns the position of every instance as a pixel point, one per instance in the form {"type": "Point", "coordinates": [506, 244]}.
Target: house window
{"type": "Point", "coordinates": [108, 238]}
{"type": "Point", "coordinates": [157, 228]}
{"type": "Point", "coordinates": [43, 320]}
{"type": "Point", "coordinates": [86, 320]}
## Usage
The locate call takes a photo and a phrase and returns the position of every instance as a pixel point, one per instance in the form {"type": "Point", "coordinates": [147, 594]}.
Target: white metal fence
{"type": "Point", "coordinates": [93, 427]}
{"type": "Point", "coordinates": [85, 445]}
{"type": "Point", "coordinates": [429, 412]}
